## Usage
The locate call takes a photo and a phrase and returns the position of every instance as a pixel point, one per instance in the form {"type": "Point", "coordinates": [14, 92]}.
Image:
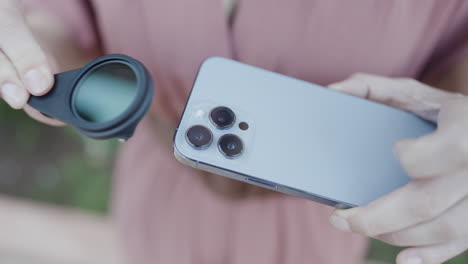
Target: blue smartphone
{"type": "Point", "coordinates": [291, 136]}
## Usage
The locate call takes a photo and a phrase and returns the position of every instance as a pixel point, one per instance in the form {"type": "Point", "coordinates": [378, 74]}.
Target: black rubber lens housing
{"type": "Point", "coordinates": [230, 145]}
{"type": "Point", "coordinates": [105, 99]}
{"type": "Point", "coordinates": [222, 117]}
{"type": "Point", "coordinates": [199, 137]}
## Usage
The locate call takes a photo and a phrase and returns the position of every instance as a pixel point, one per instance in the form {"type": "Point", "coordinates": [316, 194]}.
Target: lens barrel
{"type": "Point", "coordinates": [222, 117]}
{"type": "Point", "coordinates": [230, 145]}
{"type": "Point", "coordinates": [199, 137]}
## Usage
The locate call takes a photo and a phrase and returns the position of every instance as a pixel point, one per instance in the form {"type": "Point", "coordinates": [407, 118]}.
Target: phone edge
{"type": "Point", "coordinates": [257, 181]}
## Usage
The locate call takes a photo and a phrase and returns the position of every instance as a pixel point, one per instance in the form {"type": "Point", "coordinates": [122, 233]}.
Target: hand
{"type": "Point", "coordinates": [430, 214]}
{"type": "Point", "coordinates": [24, 67]}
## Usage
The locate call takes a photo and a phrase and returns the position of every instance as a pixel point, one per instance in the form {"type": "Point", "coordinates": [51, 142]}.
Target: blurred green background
{"type": "Point", "coordinates": [57, 165]}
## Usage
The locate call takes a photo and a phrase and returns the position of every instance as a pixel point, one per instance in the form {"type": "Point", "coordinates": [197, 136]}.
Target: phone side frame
{"type": "Point", "coordinates": [257, 181]}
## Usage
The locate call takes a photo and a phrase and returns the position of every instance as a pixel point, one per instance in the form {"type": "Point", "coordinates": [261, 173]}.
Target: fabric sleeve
{"type": "Point", "coordinates": [452, 47]}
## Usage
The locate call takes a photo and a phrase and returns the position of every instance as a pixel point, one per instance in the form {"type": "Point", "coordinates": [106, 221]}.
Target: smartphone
{"type": "Point", "coordinates": [292, 136]}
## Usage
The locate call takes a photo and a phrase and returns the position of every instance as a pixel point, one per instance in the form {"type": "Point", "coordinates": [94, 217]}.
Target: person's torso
{"type": "Point", "coordinates": [318, 41]}
{"type": "Point", "coordinates": [168, 213]}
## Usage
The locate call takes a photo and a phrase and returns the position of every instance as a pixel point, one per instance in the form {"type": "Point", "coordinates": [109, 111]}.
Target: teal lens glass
{"type": "Point", "coordinates": [106, 92]}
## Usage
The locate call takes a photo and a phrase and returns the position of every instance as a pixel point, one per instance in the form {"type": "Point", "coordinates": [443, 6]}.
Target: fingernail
{"type": "Point", "coordinates": [37, 80]}
{"type": "Point", "coordinates": [336, 86]}
{"type": "Point", "coordinates": [13, 95]}
{"type": "Point", "coordinates": [340, 223]}
{"type": "Point", "coordinates": [412, 260]}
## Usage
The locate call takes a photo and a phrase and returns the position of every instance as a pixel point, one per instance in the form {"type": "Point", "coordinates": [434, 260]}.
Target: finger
{"type": "Point", "coordinates": [433, 155]}
{"type": "Point", "coordinates": [449, 226]}
{"type": "Point", "coordinates": [416, 202]}
{"type": "Point", "coordinates": [33, 113]}
{"type": "Point", "coordinates": [403, 93]}
{"type": "Point", "coordinates": [19, 45]}
{"type": "Point", "coordinates": [11, 88]}
{"type": "Point", "coordinates": [450, 113]}
{"type": "Point", "coordinates": [435, 254]}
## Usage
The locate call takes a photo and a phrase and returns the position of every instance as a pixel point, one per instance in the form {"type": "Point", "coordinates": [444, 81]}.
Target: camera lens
{"type": "Point", "coordinates": [105, 92]}
{"type": "Point", "coordinates": [222, 117]}
{"type": "Point", "coordinates": [230, 145]}
{"type": "Point", "coordinates": [199, 137]}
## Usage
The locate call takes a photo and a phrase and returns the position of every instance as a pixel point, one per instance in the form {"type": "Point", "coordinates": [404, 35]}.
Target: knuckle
{"type": "Point", "coordinates": [392, 239]}
{"type": "Point", "coordinates": [26, 57]}
{"type": "Point", "coordinates": [6, 70]}
{"type": "Point", "coordinates": [364, 227]}
{"type": "Point", "coordinates": [424, 206]}
{"type": "Point", "coordinates": [446, 230]}
{"type": "Point", "coordinates": [422, 211]}
{"type": "Point", "coordinates": [408, 81]}
{"type": "Point", "coordinates": [18, 43]}
{"type": "Point", "coordinates": [360, 76]}
{"type": "Point", "coordinates": [412, 88]}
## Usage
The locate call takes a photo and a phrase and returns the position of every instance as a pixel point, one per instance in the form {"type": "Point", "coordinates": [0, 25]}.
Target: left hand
{"type": "Point", "coordinates": [430, 214]}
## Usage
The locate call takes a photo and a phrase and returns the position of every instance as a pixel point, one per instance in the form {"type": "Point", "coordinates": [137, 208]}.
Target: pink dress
{"type": "Point", "coordinates": [166, 212]}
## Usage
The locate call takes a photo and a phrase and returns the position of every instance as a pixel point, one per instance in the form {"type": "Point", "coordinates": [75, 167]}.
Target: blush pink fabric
{"type": "Point", "coordinates": [167, 214]}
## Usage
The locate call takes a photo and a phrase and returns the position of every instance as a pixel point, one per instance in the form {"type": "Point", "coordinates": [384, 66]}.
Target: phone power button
{"type": "Point", "coordinates": [342, 206]}
{"type": "Point", "coordinates": [261, 183]}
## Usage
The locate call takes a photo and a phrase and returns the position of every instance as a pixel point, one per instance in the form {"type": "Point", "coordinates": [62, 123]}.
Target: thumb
{"type": "Point", "coordinates": [403, 93]}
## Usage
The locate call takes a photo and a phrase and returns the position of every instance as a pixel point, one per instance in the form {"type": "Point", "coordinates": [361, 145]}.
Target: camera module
{"type": "Point", "coordinates": [230, 145]}
{"type": "Point", "coordinates": [199, 137]}
{"type": "Point", "coordinates": [222, 117]}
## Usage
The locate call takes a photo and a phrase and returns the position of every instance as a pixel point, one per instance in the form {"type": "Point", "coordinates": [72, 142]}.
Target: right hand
{"type": "Point", "coordinates": [24, 67]}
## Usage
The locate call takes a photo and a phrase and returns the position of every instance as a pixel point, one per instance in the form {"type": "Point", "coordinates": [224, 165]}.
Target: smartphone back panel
{"type": "Point", "coordinates": [302, 139]}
